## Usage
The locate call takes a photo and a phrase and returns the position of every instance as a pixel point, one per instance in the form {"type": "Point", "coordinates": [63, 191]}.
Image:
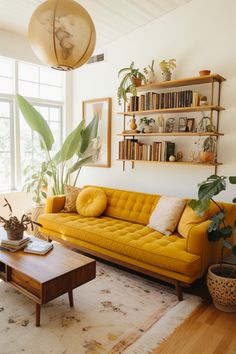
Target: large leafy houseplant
{"type": "Point", "coordinates": [221, 278]}
{"type": "Point", "coordinates": [78, 149]}
{"type": "Point", "coordinates": [218, 229]}
{"type": "Point", "coordinates": [128, 83]}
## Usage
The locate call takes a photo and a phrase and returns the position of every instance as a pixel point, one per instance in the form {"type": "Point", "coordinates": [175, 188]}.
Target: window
{"type": "Point", "coordinates": [19, 146]}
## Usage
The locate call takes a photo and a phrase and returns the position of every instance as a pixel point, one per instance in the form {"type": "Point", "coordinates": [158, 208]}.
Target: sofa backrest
{"type": "Point", "coordinates": [129, 206]}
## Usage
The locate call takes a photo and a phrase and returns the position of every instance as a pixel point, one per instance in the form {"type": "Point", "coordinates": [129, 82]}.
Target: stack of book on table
{"type": "Point", "coordinates": [38, 247]}
{"type": "Point", "coordinates": [14, 245]}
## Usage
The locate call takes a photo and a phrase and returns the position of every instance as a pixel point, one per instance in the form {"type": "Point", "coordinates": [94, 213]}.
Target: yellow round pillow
{"type": "Point", "coordinates": [91, 202]}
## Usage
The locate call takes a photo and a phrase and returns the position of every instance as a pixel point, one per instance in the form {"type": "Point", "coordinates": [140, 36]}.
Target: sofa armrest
{"type": "Point", "coordinates": [55, 204]}
{"type": "Point", "coordinates": [198, 243]}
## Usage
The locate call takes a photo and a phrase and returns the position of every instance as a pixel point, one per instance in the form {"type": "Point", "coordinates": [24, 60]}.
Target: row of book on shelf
{"type": "Point", "coordinates": [153, 100]}
{"type": "Point", "coordinates": [28, 244]}
{"type": "Point", "coordinates": [132, 149]}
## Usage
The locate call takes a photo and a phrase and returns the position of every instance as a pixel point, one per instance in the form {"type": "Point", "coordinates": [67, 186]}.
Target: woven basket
{"type": "Point", "coordinates": [222, 289]}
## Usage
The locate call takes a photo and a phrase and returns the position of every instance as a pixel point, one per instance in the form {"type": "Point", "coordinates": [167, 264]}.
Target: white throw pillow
{"type": "Point", "coordinates": [166, 215]}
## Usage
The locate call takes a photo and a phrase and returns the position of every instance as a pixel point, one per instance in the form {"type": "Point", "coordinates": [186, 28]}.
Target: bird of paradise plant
{"type": "Point", "coordinates": [78, 149]}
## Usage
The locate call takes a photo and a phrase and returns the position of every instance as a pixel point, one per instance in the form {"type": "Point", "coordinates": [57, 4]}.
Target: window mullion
{"type": "Point", "coordinates": [17, 134]}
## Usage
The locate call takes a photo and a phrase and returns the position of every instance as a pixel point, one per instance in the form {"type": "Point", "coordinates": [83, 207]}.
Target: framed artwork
{"type": "Point", "coordinates": [102, 107]}
{"type": "Point", "coordinates": [170, 124]}
{"type": "Point", "coordinates": [190, 124]}
{"type": "Point", "coordinates": [182, 124]}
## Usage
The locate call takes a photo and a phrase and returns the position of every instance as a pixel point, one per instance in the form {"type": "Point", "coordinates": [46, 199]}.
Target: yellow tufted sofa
{"type": "Point", "coordinates": [120, 235]}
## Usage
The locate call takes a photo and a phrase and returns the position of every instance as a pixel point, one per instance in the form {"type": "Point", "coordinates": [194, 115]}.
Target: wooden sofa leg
{"type": "Point", "coordinates": [179, 292]}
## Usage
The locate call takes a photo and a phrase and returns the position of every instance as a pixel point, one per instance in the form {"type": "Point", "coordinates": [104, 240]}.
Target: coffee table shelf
{"type": "Point", "coordinates": [44, 278]}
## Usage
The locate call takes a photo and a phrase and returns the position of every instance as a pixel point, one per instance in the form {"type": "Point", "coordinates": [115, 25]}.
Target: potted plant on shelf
{"type": "Point", "coordinates": [146, 123]}
{"type": "Point", "coordinates": [132, 79]}
{"type": "Point", "coordinates": [14, 227]}
{"type": "Point", "coordinates": [149, 72]}
{"type": "Point", "coordinates": [167, 68]}
{"type": "Point", "coordinates": [221, 279]}
{"type": "Point", "coordinates": [208, 153]}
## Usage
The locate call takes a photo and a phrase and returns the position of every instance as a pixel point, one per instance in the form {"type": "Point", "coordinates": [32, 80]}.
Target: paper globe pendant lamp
{"type": "Point", "coordinates": [62, 34]}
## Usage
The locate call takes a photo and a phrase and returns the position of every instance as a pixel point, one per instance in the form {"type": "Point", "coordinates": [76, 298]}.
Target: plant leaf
{"type": "Point", "coordinates": [232, 179]}
{"type": "Point", "coordinates": [234, 250]}
{"type": "Point", "coordinates": [37, 123]}
{"type": "Point", "coordinates": [79, 164]}
{"type": "Point", "coordinates": [199, 206]}
{"type": "Point", "coordinates": [70, 145]}
{"type": "Point", "coordinates": [212, 186]}
{"type": "Point", "coordinates": [88, 135]}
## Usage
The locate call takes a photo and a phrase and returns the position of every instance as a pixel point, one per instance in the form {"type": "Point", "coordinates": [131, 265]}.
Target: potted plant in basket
{"type": "Point", "coordinates": [14, 227]}
{"type": "Point", "coordinates": [167, 67]}
{"type": "Point", "coordinates": [132, 79]}
{"type": "Point", "coordinates": [221, 279]}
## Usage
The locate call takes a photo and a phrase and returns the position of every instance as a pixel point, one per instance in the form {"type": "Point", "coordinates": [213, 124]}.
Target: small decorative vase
{"type": "Point", "coordinates": [133, 125]}
{"type": "Point", "coordinates": [147, 129]}
{"type": "Point", "coordinates": [16, 234]}
{"type": "Point", "coordinates": [151, 77]}
{"type": "Point", "coordinates": [222, 288]}
{"type": "Point", "coordinates": [160, 129]}
{"type": "Point", "coordinates": [166, 76]}
{"type": "Point", "coordinates": [207, 156]}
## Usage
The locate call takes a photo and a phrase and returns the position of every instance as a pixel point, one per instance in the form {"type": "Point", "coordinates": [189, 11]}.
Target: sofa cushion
{"type": "Point", "coordinates": [133, 240]}
{"type": "Point", "coordinates": [129, 206]}
{"type": "Point", "coordinates": [91, 202]}
{"type": "Point", "coordinates": [189, 219]}
{"type": "Point", "coordinates": [166, 214]}
{"type": "Point", "coordinates": [71, 194]}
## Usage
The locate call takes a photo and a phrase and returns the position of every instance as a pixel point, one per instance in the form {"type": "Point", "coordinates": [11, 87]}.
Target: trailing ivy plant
{"type": "Point", "coordinates": [218, 229]}
{"type": "Point", "coordinates": [78, 149]}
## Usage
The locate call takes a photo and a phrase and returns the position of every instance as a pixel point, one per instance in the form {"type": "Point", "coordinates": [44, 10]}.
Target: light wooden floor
{"type": "Point", "coordinates": [206, 331]}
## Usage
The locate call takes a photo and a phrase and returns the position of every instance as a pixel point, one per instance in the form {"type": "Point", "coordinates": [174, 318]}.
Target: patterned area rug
{"type": "Point", "coordinates": [118, 312]}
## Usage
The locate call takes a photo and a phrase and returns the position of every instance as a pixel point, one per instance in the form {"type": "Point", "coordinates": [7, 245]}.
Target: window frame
{"type": "Point", "coordinates": [15, 134]}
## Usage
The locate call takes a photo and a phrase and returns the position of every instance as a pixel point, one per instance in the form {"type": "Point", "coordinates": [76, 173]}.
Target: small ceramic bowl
{"type": "Point", "coordinates": [204, 72]}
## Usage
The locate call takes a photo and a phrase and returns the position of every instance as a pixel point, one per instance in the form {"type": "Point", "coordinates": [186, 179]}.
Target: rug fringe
{"type": "Point", "coordinates": [164, 327]}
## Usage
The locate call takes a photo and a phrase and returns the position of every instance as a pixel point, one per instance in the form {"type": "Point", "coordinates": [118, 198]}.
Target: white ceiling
{"type": "Point", "coordinates": [112, 18]}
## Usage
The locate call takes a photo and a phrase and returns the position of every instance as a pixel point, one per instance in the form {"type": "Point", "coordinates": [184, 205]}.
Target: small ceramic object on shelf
{"type": "Point", "coordinates": [133, 124]}
{"type": "Point", "coordinates": [204, 72]}
{"type": "Point", "coordinates": [179, 156]}
{"type": "Point", "coordinates": [203, 101]}
{"type": "Point", "coordinates": [172, 158]}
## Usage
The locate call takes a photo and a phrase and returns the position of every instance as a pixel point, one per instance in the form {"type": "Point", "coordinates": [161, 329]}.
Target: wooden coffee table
{"type": "Point", "coordinates": [44, 278]}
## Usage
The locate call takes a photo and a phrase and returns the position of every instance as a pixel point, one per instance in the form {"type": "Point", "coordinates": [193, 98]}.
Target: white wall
{"type": "Point", "coordinates": [17, 47]}
{"type": "Point", "coordinates": [200, 35]}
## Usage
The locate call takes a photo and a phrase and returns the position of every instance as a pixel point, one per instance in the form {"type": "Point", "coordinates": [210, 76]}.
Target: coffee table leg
{"type": "Point", "coordinates": [38, 308]}
{"type": "Point", "coordinates": [70, 294]}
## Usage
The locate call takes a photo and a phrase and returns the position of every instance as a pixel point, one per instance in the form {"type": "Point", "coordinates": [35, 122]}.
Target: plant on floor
{"type": "Point", "coordinates": [15, 227]}
{"type": "Point", "coordinates": [217, 230]}
{"type": "Point", "coordinates": [132, 78]}
{"type": "Point", "coordinates": [81, 146]}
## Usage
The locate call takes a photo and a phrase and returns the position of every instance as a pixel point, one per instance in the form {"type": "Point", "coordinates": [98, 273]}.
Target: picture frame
{"type": "Point", "coordinates": [190, 124]}
{"type": "Point", "coordinates": [182, 124]}
{"type": "Point", "coordinates": [102, 107]}
{"type": "Point", "coordinates": [170, 125]}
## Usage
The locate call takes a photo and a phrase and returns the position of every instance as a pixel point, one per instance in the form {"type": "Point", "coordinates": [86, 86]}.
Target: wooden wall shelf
{"type": "Point", "coordinates": [173, 110]}
{"type": "Point", "coordinates": [196, 80]}
{"type": "Point", "coordinates": [187, 134]}
{"type": "Point", "coordinates": [174, 163]}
